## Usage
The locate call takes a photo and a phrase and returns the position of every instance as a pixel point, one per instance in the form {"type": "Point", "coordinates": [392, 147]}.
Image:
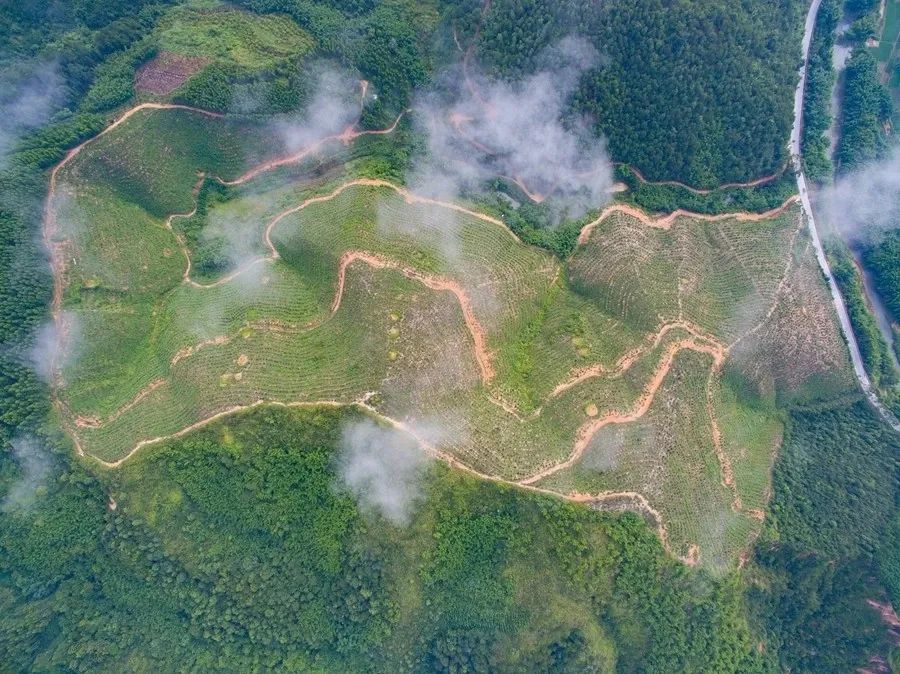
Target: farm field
{"type": "Point", "coordinates": [646, 371]}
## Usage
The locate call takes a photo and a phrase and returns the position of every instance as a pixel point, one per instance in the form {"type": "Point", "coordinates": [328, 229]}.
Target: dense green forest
{"type": "Point", "coordinates": [233, 549]}
{"type": "Point", "coordinates": [691, 91]}
{"type": "Point", "coordinates": [867, 108]}
{"type": "Point", "coordinates": [864, 15]}
{"type": "Point", "coordinates": [828, 547]}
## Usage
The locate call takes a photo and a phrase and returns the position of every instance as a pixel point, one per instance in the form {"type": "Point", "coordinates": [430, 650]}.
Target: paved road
{"type": "Point", "coordinates": [840, 307]}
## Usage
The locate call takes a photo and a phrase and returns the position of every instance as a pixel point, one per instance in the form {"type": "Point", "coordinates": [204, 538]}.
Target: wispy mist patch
{"type": "Point", "coordinates": [383, 468]}
{"type": "Point", "coordinates": [333, 107]}
{"type": "Point", "coordinates": [28, 96]}
{"type": "Point", "coordinates": [236, 239]}
{"type": "Point", "coordinates": [478, 129]}
{"type": "Point", "coordinates": [35, 464]}
{"type": "Point", "coordinates": [434, 226]}
{"type": "Point", "coordinates": [865, 204]}
{"type": "Point", "coordinates": [605, 450]}
{"type": "Point", "coordinates": [56, 345]}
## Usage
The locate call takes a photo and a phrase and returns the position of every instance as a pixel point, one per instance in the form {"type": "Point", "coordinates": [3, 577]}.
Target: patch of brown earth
{"type": "Point", "coordinates": [165, 73]}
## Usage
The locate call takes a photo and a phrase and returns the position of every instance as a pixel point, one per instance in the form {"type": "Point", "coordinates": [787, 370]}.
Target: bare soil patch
{"type": "Point", "coordinates": [165, 73]}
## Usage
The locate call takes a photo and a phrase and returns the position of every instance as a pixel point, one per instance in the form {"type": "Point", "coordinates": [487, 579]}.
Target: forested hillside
{"type": "Point", "coordinates": [828, 547]}
{"type": "Point", "coordinates": [692, 91]}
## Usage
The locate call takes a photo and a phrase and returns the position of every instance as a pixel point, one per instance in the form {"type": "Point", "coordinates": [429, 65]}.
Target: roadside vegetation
{"type": "Point", "coordinates": [820, 79]}
{"type": "Point", "coordinates": [883, 259]}
{"type": "Point", "coordinates": [881, 254]}
{"type": "Point", "coordinates": [872, 346]}
{"type": "Point", "coordinates": [663, 198]}
{"type": "Point", "coordinates": [866, 137]}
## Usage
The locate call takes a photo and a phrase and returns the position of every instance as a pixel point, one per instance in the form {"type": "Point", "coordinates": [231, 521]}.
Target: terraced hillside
{"type": "Point", "coordinates": [647, 371]}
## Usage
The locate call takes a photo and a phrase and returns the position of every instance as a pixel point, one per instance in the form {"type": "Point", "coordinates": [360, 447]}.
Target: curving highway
{"type": "Point", "coordinates": [844, 318]}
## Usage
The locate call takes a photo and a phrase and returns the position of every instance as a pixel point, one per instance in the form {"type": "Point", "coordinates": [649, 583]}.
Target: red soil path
{"type": "Point", "coordinates": [346, 137]}
{"type": "Point", "coordinates": [587, 431]}
{"type": "Point", "coordinates": [696, 190]}
{"type": "Point", "coordinates": [665, 221]}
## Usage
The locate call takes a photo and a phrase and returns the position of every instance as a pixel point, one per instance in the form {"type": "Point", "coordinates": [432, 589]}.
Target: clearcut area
{"type": "Point", "coordinates": [200, 272]}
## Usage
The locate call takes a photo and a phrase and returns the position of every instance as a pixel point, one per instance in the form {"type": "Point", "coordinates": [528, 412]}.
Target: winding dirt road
{"type": "Point", "coordinates": [665, 221]}
{"type": "Point", "coordinates": [640, 503]}
{"type": "Point", "coordinates": [696, 190]}
{"type": "Point", "coordinates": [49, 228]}
{"type": "Point", "coordinates": [587, 431]}
{"type": "Point", "coordinates": [346, 137]}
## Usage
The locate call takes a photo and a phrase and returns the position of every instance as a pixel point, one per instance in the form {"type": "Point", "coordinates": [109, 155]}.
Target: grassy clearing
{"type": "Point", "coordinates": [248, 40]}
{"type": "Point", "coordinates": [798, 356]}
{"type": "Point", "coordinates": [158, 354]}
{"type": "Point", "coordinates": [721, 276]}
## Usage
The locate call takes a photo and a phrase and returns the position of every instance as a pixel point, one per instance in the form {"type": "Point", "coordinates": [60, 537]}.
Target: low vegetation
{"type": "Point", "coordinates": [245, 40]}
{"type": "Point", "coordinates": [165, 347]}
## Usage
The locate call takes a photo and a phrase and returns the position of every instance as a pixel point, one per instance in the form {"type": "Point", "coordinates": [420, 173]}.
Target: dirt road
{"type": "Point", "coordinates": [665, 221]}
